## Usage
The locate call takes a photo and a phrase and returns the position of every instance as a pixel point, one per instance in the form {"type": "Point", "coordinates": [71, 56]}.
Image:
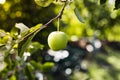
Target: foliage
{"type": "Point", "coordinates": [90, 25]}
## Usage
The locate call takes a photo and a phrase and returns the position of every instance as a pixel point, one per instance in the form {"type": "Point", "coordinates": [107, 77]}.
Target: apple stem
{"type": "Point", "coordinates": [46, 24]}
{"type": "Point", "coordinates": [58, 25]}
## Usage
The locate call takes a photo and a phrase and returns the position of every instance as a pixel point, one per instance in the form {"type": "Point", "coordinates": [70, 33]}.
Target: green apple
{"type": "Point", "coordinates": [57, 40]}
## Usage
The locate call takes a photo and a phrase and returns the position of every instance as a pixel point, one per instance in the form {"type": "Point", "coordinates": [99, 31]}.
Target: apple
{"type": "Point", "coordinates": [57, 40]}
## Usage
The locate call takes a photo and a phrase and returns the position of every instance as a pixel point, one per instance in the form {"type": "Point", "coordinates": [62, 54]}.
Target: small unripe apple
{"type": "Point", "coordinates": [57, 40]}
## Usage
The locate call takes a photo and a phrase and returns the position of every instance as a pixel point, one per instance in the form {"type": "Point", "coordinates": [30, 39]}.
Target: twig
{"type": "Point", "coordinates": [45, 25]}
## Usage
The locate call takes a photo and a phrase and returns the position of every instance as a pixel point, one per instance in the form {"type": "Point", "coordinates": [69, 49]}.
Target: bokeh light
{"type": "Point", "coordinates": [97, 44]}
{"type": "Point", "coordinates": [89, 48]}
{"type": "Point", "coordinates": [62, 54]}
{"type": "Point", "coordinates": [2, 1]}
{"type": "Point", "coordinates": [68, 71]}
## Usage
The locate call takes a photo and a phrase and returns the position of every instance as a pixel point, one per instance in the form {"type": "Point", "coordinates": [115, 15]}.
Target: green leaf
{"type": "Point", "coordinates": [47, 66]}
{"type": "Point", "coordinates": [36, 65]}
{"type": "Point", "coordinates": [5, 38]}
{"type": "Point", "coordinates": [102, 1]}
{"type": "Point", "coordinates": [14, 32]}
{"type": "Point", "coordinates": [13, 77]}
{"type": "Point", "coordinates": [29, 71]}
{"type": "Point", "coordinates": [35, 47]}
{"type": "Point", "coordinates": [78, 15]}
{"type": "Point", "coordinates": [23, 45]}
{"type": "Point", "coordinates": [34, 27]}
{"type": "Point", "coordinates": [43, 3]}
{"type": "Point", "coordinates": [117, 4]}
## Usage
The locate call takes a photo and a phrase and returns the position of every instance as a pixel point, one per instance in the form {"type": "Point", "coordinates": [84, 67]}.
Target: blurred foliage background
{"type": "Point", "coordinates": [93, 50]}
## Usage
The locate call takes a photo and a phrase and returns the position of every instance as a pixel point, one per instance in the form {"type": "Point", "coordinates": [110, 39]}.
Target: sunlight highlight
{"type": "Point", "coordinates": [111, 1]}
{"type": "Point", "coordinates": [2, 1]}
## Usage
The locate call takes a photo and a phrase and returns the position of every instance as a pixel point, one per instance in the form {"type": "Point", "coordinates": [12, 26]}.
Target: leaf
{"type": "Point", "coordinates": [102, 1]}
{"type": "Point", "coordinates": [3, 65]}
{"type": "Point", "coordinates": [35, 46]}
{"type": "Point", "coordinates": [36, 65]}
{"type": "Point", "coordinates": [34, 27]}
{"type": "Point", "coordinates": [78, 15]}
{"type": "Point", "coordinates": [29, 71]}
{"type": "Point", "coordinates": [23, 28]}
{"type": "Point", "coordinates": [2, 33]}
{"type": "Point", "coordinates": [43, 3]}
{"type": "Point", "coordinates": [23, 45]}
{"type": "Point", "coordinates": [47, 66]}
{"type": "Point", "coordinates": [5, 38]}
{"type": "Point", "coordinates": [117, 4]}
{"type": "Point", "coordinates": [13, 77]}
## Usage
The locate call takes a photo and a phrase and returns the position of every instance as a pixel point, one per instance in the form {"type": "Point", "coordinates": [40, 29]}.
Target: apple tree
{"type": "Point", "coordinates": [78, 29]}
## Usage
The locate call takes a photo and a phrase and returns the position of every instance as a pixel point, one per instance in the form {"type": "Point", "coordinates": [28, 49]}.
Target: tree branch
{"type": "Point", "coordinates": [45, 25]}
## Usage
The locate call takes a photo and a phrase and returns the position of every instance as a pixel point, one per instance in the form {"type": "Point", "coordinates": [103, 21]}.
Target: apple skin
{"type": "Point", "coordinates": [57, 40]}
